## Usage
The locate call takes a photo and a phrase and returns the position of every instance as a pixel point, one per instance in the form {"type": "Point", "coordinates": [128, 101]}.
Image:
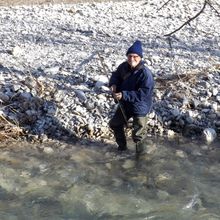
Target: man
{"type": "Point", "coordinates": [132, 87]}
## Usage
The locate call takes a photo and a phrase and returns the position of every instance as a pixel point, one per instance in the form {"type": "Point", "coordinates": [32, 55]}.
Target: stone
{"type": "Point", "coordinates": [209, 134]}
{"type": "Point", "coordinates": [48, 150]}
{"type": "Point", "coordinates": [4, 97]}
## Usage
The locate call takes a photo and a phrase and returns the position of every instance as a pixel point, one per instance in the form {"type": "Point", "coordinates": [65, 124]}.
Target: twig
{"type": "Point", "coordinates": [163, 5]}
{"type": "Point", "coordinates": [187, 22]}
{"type": "Point", "coordinates": [216, 3]}
{"type": "Point", "coordinates": [210, 4]}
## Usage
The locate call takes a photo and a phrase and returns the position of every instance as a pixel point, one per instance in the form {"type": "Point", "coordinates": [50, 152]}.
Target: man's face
{"type": "Point", "coordinates": [133, 59]}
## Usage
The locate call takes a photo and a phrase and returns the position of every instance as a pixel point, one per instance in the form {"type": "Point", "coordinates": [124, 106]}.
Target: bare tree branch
{"type": "Point", "coordinates": [164, 5]}
{"type": "Point", "coordinates": [216, 3]}
{"type": "Point", "coordinates": [187, 22]}
{"type": "Point", "coordinates": [211, 5]}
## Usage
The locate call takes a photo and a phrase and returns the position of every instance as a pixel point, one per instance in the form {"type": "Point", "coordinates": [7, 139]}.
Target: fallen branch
{"type": "Point", "coordinates": [187, 22]}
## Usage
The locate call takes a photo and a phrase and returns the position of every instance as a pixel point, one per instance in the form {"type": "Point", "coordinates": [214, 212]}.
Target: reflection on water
{"type": "Point", "coordinates": [175, 180]}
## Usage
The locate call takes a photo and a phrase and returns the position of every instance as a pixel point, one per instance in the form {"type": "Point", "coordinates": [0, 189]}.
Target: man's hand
{"type": "Point", "coordinates": [117, 96]}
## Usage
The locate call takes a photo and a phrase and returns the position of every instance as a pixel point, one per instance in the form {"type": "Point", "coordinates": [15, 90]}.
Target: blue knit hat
{"type": "Point", "coordinates": [136, 48]}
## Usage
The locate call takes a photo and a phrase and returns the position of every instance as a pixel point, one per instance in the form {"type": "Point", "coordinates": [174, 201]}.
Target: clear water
{"type": "Point", "coordinates": [176, 180]}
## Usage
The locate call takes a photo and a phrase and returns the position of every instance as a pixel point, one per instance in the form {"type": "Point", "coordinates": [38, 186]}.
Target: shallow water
{"type": "Point", "coordinates": [174, 180]}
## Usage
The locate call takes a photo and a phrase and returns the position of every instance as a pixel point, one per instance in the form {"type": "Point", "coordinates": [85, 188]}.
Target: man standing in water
{"type": "Point", "coordinates": [132, 88]}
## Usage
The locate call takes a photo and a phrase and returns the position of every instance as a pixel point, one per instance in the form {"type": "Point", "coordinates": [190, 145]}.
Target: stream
{"type": "Point", "coordinates": [176, 179]}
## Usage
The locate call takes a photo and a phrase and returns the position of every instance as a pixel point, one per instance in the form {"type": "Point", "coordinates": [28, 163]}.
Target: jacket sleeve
{"type": "Point", "coordinates": [144, 90]}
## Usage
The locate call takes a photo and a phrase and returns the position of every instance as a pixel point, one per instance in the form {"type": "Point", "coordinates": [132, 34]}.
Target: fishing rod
{"type": "Point", "coordinates": [117, 101]}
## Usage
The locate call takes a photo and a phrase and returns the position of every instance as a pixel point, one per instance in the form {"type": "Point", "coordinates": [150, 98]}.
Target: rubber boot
{"type": "Point", "coordinates": [122, 148]}
{"type": "Point", "coordinates": [141, 148]}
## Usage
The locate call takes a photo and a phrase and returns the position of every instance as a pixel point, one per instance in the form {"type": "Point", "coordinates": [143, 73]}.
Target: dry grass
{"type": "Point", "coordinates": [9, 130]}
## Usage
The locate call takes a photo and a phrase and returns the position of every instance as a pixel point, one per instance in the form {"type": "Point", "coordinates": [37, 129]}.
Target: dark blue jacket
{"type": "Point", "coordinates": [136, 86]}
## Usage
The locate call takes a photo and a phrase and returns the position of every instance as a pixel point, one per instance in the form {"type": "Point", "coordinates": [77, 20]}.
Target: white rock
{"type": "Point", "coordinates": [17, 51]}
{"type": "Point", "coordinates": [209, 134]}
{"type": "Point", "coordinates": [215, 91]}
{"type": "Point", "coordinates": [215, 106]}
{"type": "Point", "coordinates": [101, 80]}
{"type": "Point", "coordinates": [48, 150]}
{"type": "Point", "coordinates": [53, 70]}
{"type": "Point", "coordinates": [170, 133]}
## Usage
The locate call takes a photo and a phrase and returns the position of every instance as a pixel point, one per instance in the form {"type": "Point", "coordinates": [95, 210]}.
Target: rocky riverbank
{"type": "Point", "coordinates": [53, 84]}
